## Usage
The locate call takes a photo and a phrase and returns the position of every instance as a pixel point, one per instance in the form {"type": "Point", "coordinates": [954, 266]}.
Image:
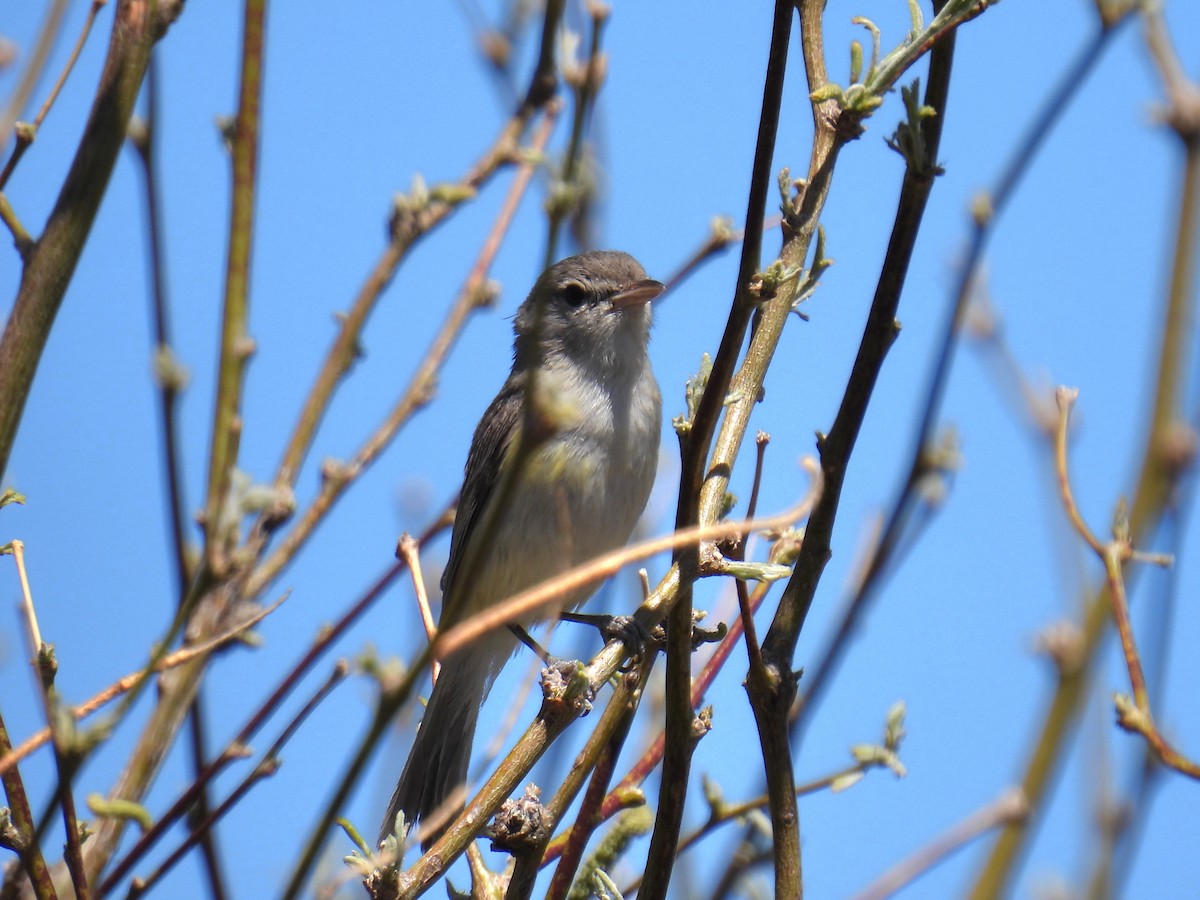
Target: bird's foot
{"type": "Point", "coordinates": [626, 629]}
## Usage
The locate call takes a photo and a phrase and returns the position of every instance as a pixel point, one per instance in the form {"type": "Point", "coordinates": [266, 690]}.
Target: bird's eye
{"type": "Point", "coordinates": [574, 293]}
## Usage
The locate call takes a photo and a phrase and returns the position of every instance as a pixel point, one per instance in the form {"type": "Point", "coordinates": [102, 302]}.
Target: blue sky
{"type": "Point", "coordinates": [359, 99]}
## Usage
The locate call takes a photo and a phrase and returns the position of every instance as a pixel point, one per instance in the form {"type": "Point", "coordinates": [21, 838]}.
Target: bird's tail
{"type": "Point", "coordinates": [437, 764]}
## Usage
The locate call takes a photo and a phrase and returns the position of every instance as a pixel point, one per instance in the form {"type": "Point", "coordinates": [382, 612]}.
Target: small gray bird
{"type": "Point", "coordinates": [581, 378]}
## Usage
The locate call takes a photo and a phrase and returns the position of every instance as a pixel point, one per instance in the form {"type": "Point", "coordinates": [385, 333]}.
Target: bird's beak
{"type": "Point", "coordinates": [637, 293]}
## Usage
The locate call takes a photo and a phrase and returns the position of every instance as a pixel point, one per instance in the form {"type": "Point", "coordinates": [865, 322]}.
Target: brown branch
{"type": "Point", "coordinates": [266, 767]}
{"type": "Point", "coordinates": [721, 236]}
{"type": "Point", "coordinates": [338, 477]}
{"type": "Point", "coordinates": [45, 667]}
{"type": "Point", "coordinates": [409, 551]}
{"type": "Point", "coordinates": [236, 344]}
{"type": "Point", "coordinates": [879, 333]}
{"type": "Point", "coordinates": [598, 756]}
{"type": "Point", "coordinates": [568, 194]}
{"type": "Point", "coordinates": [818, 675]}
{"type": "Point", "coordinates": [126, 683]}
{"type": "Point", "coordinates": [1135, 716]}
{"type": "Point", "coordinates": [1005, 809]}
{"type": "Point", "coordinates": [51, 27]}
{"type": "Point", "coordinates": [23, 841]}
{"type": "Point", "coordinates": [596, 570]}
{"type": "Point", "coordinates": [695, 445]}
{"type": "Point", "coordinates": [51, 263]}
{"type": "Point", "coordinates": [169, 375]}
{"type": "Point", "coordinates": [1157, 476]}
{"type": "Point", "coordinates": [27, 131]}
{"type": "Point", "coordinates": [21, 239]}
{"type": "Point", "coordinates": [171, 380]}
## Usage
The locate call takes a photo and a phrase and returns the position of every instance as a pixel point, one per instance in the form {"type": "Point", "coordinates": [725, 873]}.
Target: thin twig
{"type": "Point", "coordinates": [45, 668]}
{"type": "Point", "coordinates": [721, 236]}
{"type": "Point", "coordinates": [93, 11]}
{"type": "Point", "coordinates": [724, 813]}
{"type": "Point", "coordinates": [51, 263]}
{"type": "Point", "coordinates": [408, 550]}
{"type": "Point", "coordinates": [27, 611]}
{"type": "Point", "coordinates": [568, 196]}
{"type": "Point", "coordinates": [1137, 716]}
{"type": "Point", "coordinates": [171, 380]}
{"type": "Point", "coordinates": [21, 239]}
{"type": "Point", "coordinates": [745, 608]}
{"type": "Point", "coordinates": [124, 684]}
{"type": "Point", "coordinates": [27, 132]}
{"type": "Point", "coordinates": [236, 344]}
{"type": "Point", "coordinates": [1009, 807]}
{"type": "Point", "coordinates": [818, 675]}
{"type": "Point", "coordinates": [51, 27]}
{"type": "Point", "coordinates": [266, 767]}
{"type": "Point", "coordinates": [595, 570]}
{"type": "Point", "coordinates": [29, 852]}
{"type": "Point", "coordinates": [321, 644]}
{"type": "Point", "coordinates": [1111, 869]}
{"type": "Point", "coordinates": [338, 478]}
{"type": "Point", "coordinates": [1066, 399]}
{"type": "Point", "coordinates": [167, 371]}
{"type": "Point", "coordinates": [1157, 476]}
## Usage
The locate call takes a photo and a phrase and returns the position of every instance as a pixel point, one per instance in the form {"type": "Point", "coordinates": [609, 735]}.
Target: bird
{"type": "Point", "coordinates": [559, 471]}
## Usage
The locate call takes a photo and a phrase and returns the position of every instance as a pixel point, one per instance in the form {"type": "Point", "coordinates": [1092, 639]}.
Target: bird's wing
{"type": "Point", "coordinates": [494, 436]}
